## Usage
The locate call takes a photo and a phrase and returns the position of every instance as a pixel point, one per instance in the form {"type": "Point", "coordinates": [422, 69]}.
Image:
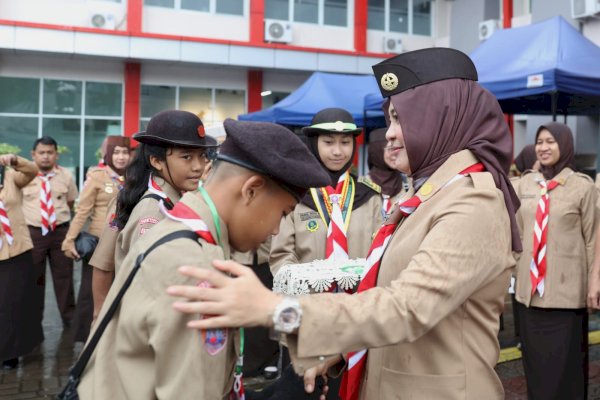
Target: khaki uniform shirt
{"type": "Point", "coordinates": [15, 179]}
{"type": "Point", "coordinates": [302, 234]}
{"type": "Point", "coordinates": [147, 352]}
{"type": "Point", "coordinates": [98, 191]}
{"type": "Point", "coordinates": [63, 190]}
{"type": "Point", "coordinates": [570, 240]}
{"type": "Point", "coordinates": [104, 254]}
{"type": "Point", "coordinates": [431, 323]}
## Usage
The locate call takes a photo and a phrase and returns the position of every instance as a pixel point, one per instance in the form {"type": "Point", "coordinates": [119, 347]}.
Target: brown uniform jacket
{"type": "Point", "coordinates": [431, 323]}
{"type": "Point", "coordinates": [15, 179]}
{"type": "Point", "coordinates": [97, 193]}
{"type": "Point", "coordinates": [63, 190]}
{"type": "Point", "coordinates": [303, 234]}
{"type": "Point", "coordinates": [104, 254]}
{"type": "Point", "coordinates": [147, 351]}
{"type": "Point", "coordinates": [570, 241]}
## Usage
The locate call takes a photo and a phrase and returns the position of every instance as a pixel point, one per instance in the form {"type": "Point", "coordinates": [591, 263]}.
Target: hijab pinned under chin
{"type": "Point", "coordinates": [441, 118]}
{"type": "Point", "coordinates": [564, 138]}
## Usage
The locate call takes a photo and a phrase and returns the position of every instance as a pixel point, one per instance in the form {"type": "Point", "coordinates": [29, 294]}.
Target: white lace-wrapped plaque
{"type": "Point", "coordinates": [319, 276]}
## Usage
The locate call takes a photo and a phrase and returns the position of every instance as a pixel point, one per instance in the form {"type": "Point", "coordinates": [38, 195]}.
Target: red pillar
{"type": "Point", "coordinates": [131, 118]}
{"type": "Point", "coordinates": [360, 25]}
{"type": "Point", "coordinates": [134, 16]}
{"type": "Point", "coordinates": [257, 24]}
{"type": "Point", "coordinates": [255, 83]}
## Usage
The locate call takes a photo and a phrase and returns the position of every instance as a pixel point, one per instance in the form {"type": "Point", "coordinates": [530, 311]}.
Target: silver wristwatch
{"type": "Point", "coordinates": [287, 315]}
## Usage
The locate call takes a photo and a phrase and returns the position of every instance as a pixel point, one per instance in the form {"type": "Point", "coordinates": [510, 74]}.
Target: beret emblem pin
{"type": "Point", "coordinates": [389, 81]}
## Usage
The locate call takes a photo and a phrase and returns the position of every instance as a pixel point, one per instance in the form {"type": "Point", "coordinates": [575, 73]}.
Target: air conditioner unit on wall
{"type": "Point", "coordinates": [102, 20]}
{"type": "Point", "coordinates": [584, 8]}
{"type": "Point", "coordinates": [278, 31]}
{"type": "Point", "coordinates": [487, 28]}
{"type": "Point", "coordinates": [392, 44]}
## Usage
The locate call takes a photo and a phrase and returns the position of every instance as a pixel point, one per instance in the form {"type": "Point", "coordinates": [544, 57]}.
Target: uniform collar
{"type": "Point", "coordinates": [169, 190]}
{"type": "Point", "coordinates": [195, 201]}
{"type": "Point", "coordinates": [562, 176]}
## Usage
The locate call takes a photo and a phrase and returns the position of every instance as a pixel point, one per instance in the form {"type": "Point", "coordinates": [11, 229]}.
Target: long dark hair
{"type": "Point", "coordinates": [136, 180]}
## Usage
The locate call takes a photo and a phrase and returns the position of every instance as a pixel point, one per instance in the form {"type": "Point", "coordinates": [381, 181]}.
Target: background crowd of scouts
{"type": "Point", "coordinates": [337, 216]}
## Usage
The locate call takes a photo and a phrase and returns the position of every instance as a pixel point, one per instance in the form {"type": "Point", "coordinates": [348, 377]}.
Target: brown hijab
{"type": "Point", "coordinates": [526, 158]}
{"type": "Point", "coordinates": [111, 143]}
{"type": "Point", "coordinates": [389, 179]}
{"type": "Point", "coordinates": [564, 138]}
{"type": "Point", "coordinates": [441, 118]}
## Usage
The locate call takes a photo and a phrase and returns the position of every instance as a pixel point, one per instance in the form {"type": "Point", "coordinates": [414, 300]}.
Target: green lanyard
{"type": "Point", "coordinates": [213, 212]}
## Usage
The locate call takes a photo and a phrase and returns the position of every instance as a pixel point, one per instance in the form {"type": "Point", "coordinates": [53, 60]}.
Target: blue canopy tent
{"type": "Point", "coordinates": [320, 91]}
{"type": "Point", "coordinates": [543, 68]}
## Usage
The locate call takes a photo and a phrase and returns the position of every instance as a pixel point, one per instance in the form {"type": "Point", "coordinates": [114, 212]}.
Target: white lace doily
{"type": "Point", "coordinates": [318, 276]}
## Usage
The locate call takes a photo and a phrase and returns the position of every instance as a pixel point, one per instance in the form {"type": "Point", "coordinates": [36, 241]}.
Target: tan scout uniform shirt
{"type": "Point", "coordinates": [431, 323]}
{"type": "Point", "coordinates": [145, 215]}
{"type": "Point", "coordinates": [147, 351]}
{"type": "Point", "coordinates": [63, 190]}
{"type": "Point", "coordinates": [104, 254]}
{"type": "Point", "coordinates": [570, 241]}
{"type": "Point", "coordinates": [97, 193]}
{"type": "Point", "coordinates": [302, 234]}
{"type": "Point", "coordinates": [15, 179]}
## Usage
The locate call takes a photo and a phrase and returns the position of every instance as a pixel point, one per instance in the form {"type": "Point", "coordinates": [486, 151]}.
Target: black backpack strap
{"type": "Point", "coordinates": [167, 202]}
{"type": "Point", "coordinates": [77, 369]}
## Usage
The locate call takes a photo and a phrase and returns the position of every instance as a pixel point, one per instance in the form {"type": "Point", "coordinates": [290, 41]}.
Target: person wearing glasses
{"type": "Point", "coordinates": [172, 157]}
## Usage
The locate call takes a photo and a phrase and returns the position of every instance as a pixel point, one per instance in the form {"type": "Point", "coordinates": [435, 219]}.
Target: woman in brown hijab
{"type": "Point", "coordinates": [557, 220]}
{"type": "Point", "coordinates": [527, 159]}
{"type": "Point", "coordinates": [424, 322]}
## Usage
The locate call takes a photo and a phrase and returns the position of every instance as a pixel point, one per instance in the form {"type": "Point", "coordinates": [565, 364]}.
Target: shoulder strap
{"type": "Point", "coordinates": [167, 203]}
{"type": "Point", "coordinates": [77, 369]}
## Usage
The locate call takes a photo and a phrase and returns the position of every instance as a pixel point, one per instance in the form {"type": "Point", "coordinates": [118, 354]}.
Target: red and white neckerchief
{"type": "Point", "coordinates": [153, 187]}
{"type": "Point", "coordinates": [537, 267]}
{"type": "Point", "coordinates": [184, 214]}
{"type": "Point", "coordinates": [357, 361]}
{"type": "Point", "coordinates": [46, 206]}
{"type": "Point", "coordinates": [336, 246]}
{"type": "Point", "coordinates": [387, 204]}
{"type": "Point", "coordinates": [5, 225]}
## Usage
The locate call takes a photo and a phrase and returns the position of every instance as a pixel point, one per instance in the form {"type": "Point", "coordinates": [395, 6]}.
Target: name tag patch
{"type": "Point", "coordinates": [305, 216]}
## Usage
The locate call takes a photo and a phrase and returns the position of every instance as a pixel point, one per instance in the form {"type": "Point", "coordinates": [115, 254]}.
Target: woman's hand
{"type": "Point", "coordinates": [232, 297]}
{"type": "Point", "coordinates": [70, 250]}
{"type": "Point", "coordinates": [8, 159]}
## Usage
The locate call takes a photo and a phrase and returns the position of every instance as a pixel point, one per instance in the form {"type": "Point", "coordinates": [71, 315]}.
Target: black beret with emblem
{"type": "Point", "coordinates": [332, 120]}
{"type": "Point", "coordinates": [415, 68]}
{"type": "Point", "coordinates": [176, 128]}
{"type": "Point", "coordinates": [273, 151]}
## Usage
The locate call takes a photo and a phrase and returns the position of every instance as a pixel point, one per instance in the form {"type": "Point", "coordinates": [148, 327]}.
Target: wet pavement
{"type": "Point", "coordinates": [43, 373]}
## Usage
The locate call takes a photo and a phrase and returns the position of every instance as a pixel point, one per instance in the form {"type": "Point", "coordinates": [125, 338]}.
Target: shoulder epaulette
{"type": "Point", "coordinates": [584, 176]}
{"type": "Point", "coordinates": [369, 183]}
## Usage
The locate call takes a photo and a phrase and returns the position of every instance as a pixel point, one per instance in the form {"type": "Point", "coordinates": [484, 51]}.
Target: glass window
{"type": "Point", "coordinates": [306, 11]}
{"type": "Point", "coordinates": [62, 97]}
{"type": "Point", "coordinates": [20, 132]}
{"type": "Point", "coordinates": [197, 101]}
{"type": "Point", "coordinates": [19, 95]}
{"type": "Point", "coordinates": [197, 5]}
{"type": "Point", "coordinates": [160, 3]}
{"type": "Point", "coordinates": [336, 12]}
{"type": "Point", "coordinates": [95, 132]}
{"type": "Point", "coordinates": [103, 98]}
{"type": "Point", "coordinates": [277, 9]}
{"type": "Point", "coordinates": [229, 104]}
{"type": "Point", "coordinates": [156, 98]}
{"type": "Point", "coordinates": [376, 12]}
{"type": "Point", "coordinates": [399, 16]}
{"type": "Point", "coordinates": [422, 17]}
{"type": "Point", "coordinates": [235, 7]}
{"type": "Point", "coordinates": [66, 132]}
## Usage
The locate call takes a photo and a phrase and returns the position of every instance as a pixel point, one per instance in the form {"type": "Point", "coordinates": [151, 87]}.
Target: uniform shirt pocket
{"type": "Point", "coordinates": [400, 385]}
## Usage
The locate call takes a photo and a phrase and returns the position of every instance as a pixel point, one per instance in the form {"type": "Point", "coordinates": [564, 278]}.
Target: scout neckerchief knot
{"type": "Point", "coordinates": [46, 205]}
{"type": "Point", "coordinates": [387, 205]}
{"type": "Point", "coordinates": [214, 340]}
{"type": "Point", "coordinates": [153, 187]}
{"type": "Point", "coordinates": [5, 225]}
{"type": "Point", "coordinates": [338, 203]}
{"type": "Point", "coordinates": [537, 267]}
{"type": "Point", "coordinates": [357, 361]}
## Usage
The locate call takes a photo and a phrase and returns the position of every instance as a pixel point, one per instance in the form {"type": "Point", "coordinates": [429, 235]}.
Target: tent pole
{"type": "Point", "coordinates": [554, 105]}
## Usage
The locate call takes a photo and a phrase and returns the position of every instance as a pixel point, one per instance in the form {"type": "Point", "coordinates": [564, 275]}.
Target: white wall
{"type": "Point", "coordinates": [322, 36]}
{"type": "Point", "coordinates": [282, 81]}
{"type": "Point", "coordinates": [193, 76]}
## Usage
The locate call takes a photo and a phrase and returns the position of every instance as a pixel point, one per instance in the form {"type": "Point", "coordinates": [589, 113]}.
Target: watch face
{"type": "Point", "coordinates": [289, 315]}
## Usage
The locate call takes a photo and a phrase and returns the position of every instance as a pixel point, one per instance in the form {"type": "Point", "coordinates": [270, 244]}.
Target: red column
{"type": "Point", "coordinates": [255, 83]}
{"type": "Point", "coordinates": [131, 119]}
{"type": "Point", "coordinates": [360, 25]}
{"type": "Point", "coordinates": [257, 24]}
{"type": "Point", "coordinates": [134, 15]}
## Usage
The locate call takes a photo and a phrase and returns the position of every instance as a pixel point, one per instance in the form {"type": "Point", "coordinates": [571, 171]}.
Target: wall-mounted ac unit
{"type": "Point", "coordinates": [487, 28]}
{"type": "Point", "coordinates": [278, 31]}
{"type": "Point", "coordinates": [584, 8]}
{"type": "Point", "coordinates": [102, 20]}
{"type": "Point", "coordinates": [392, 44]}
